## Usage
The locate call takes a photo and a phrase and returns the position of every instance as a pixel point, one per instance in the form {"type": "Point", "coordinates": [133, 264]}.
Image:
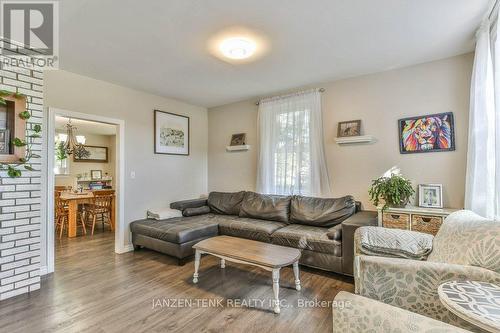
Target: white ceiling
{"type": "Point", "coordinates": [161, 46]}
{"type": "Point", "coordinates": [85, 127]}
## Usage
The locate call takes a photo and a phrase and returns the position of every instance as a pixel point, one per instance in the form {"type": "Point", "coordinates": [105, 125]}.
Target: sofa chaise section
{"type": "Point", "coordinates": [174, 236]}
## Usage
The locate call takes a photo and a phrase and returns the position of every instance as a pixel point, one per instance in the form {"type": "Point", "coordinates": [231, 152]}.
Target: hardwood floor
{"type": "Point", "coordinates": [96, 290]}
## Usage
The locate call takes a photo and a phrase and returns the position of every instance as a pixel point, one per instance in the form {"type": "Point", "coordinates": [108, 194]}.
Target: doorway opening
{"type": "Point", "coordinates": [85, 186]}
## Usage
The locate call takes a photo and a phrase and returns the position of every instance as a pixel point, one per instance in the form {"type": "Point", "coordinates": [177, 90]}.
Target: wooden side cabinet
{"type": "Point", "coordinates": [420, 219]}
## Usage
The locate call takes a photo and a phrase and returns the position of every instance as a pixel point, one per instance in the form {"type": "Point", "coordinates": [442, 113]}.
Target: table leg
{"type": "Point", "coordinates": [112, 214]}
{"type": "Point", "coordinates": [72, 210]}
{"type": "Point", "coordinates": [276, 289]}
{"type": "Point", "coordinates": [222, 263]}
{"type": "Point", "coordinates": [197, 257]}
{"type": "Point", "coordinates": [296, 275]}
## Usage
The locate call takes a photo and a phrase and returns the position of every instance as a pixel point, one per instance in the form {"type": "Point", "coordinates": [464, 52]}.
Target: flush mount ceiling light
{"type": "Point", "coordinates": [238, 45]}
{"type": "Point", "coordinates": [237, 48]}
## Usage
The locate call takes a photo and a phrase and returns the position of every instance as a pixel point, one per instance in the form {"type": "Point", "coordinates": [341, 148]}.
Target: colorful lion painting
{"type": "Point", "coordinates": [427, 133]}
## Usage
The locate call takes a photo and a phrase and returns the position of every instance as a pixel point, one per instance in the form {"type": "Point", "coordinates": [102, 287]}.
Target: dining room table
{"type": "Point", "coordinates": [76, 198]}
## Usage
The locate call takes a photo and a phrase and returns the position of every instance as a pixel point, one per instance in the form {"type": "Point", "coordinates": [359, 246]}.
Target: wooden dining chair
{"type": "Point", "coordinates": [62, 216]}
{"type": "Point", "coordinates": [100, 206]}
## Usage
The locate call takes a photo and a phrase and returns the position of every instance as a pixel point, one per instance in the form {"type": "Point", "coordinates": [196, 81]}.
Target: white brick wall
{"type": "Point", "coordinates": [20, 199]}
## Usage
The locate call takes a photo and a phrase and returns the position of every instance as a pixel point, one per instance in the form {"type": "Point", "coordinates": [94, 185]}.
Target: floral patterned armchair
{"type": "Point", "coordinates": [467, 247]}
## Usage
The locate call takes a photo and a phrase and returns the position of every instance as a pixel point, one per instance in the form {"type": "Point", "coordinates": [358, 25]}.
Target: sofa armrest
{"type": "Point", "coordinates": [413, 284]}
{"type": "Point", "coordinates": [349, 226]}
{"type": "Point", "coordinates": [357, 314]}
{"type": "Point", "coordinates": [192, 203]}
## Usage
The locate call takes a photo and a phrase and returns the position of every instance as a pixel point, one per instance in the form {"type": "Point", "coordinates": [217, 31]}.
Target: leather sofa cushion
{"type": "Point", "coordinates": [265, 207]}
{"type": "Point", "coordinates": [178, 229]}
{"type": "Point", "coordinates": [306, 237]}
{"type": "Point", "coordinates": [321, 212]}
{"type": "Point", "coordinates": [259, 230]}
{"type": "Point", "coordinates": [225, 203]}
{"type": "Point", "coordinates": [193, 211]}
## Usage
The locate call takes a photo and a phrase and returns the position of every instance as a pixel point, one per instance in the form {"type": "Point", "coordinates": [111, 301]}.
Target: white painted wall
{"type": "Point", "coordinates": [160, 179]}
{"type": "Point", "coordinates": [379, 100]}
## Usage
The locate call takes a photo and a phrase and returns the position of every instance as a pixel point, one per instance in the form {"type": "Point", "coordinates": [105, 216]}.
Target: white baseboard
{"type": "Point", "coordinates": [125, 249]}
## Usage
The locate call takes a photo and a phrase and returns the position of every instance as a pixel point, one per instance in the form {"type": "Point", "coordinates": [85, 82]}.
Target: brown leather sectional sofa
{"type": "Point", "coordinates": [323, 229]}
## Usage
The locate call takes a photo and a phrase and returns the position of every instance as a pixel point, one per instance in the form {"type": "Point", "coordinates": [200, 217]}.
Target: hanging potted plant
{"type": "Point", "coordinates": [395, 191]}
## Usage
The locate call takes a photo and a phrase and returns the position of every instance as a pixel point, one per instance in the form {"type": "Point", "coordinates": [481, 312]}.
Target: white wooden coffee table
{"type": "Point", "coordinates": [244, 251]}
{"type": "Point", "coordinates": [476, 302]}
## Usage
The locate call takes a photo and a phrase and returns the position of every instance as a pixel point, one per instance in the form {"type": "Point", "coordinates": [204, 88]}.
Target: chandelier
{"type": "Point", "coordinates": [73, 144]}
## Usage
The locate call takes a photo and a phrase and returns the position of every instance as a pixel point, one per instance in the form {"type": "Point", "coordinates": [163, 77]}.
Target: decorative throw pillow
{"type": "Point", "coordinates": [193, 211]}
{"type": "Point", "coordinates": [397, 243]}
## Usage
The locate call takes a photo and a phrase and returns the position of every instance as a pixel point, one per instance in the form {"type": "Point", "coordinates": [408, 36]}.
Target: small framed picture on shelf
{"type": "Point", "coordinates": [349, 128]}
{"type": "Point", "coordinates": [96, 174]}
{"type": "Point", "coordinates": [238, 139]}
{"type": "Point", "coordinates": [430, 195]}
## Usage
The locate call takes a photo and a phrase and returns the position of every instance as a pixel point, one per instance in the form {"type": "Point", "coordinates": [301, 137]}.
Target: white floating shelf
{"type": "Point", "coordinates": [350, 140]}
{"type": "Point", "coordinates": [238, 148]}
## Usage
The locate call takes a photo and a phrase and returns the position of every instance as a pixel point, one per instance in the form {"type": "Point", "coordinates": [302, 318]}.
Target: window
{"type": "Point", "coordinates": [291, 159]}
{"type": "Point", "coordinates": [7, 116]}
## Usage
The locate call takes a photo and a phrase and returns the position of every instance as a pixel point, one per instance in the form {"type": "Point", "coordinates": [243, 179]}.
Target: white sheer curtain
{"type": "Point", "coordinates": [482, 194]}
{"type": "Point", "coordinates": [292, 157]}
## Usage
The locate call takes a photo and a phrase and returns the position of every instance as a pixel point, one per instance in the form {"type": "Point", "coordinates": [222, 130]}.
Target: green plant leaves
{"type": "Point", "coordinates": [13, 172]}
{"type": "Point", "coordinates": [394, 190]}
{"type": "Point", "coordinates": [25, 115]}
{"type": "Point", "coordinates": [18, 142]}
{"type": "Point", "coordinates": [61, 152]}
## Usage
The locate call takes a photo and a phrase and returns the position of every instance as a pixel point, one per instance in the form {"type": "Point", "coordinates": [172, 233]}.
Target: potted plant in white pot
{"type": "Point", "coordinates": [395, 191]}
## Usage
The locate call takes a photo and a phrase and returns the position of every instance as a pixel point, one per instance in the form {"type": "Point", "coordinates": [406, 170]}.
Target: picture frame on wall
{"type": "Point", "coordinates": [425, 134]}
{"type": "Point", "coordinates": [349, 128]}
{"type": "Point", "coordinates": [171, 133]}
{"type": "Point", "coordinates": [430, 195]}
{"type": "Point", "coordinates": [96, 154]}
